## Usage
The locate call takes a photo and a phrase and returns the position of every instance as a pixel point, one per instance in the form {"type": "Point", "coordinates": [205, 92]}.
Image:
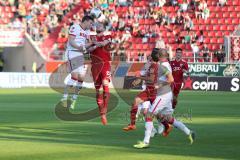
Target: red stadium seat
{"type": "Point", "coordinates": [214, 21]}
{"type": "Point", "coordinates": [237, 8]}
{"type": "Point", "coordinates": [207, 40]}
{"type": "Point", "coordinates": [218, 15]}
{"type": "Point", "coordinates": [216, 27]}
{"type": "Point", "coordinates": [211, 33]}
{"type": "Point", "coordinates": [226, 14]}
{"type": "Point", "coordinates": [220, 21]}
{"type": "Point", "coordinates": [13, 9]}
{"type": "Point", "coordinates": [230, 27]}
{"type": "Point", "coordinates": [230, 8]}
{"type": "Point", "coordinates": [213, 40]}
{"type": "Point", "coordinates": [233, 15]}
{"type": "Point", "coordinates": [223, 27]}
{"type": "Point", "coordinates": [218, 34]}
{"type": "Point", "coordinates": [224, 9]}
{"type": "Point", "coordinates": [235, 3]}
{"type": "Point", "coordinates": [220, 40]}
{"type": "Point", "coordinates": [209, 27]}
{"type": "Point", "coordinates": [228, 21]}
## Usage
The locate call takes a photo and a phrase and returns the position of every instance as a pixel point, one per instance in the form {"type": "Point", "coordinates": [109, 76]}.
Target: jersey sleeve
{"type": "Point", "coordinates": [73, 30]}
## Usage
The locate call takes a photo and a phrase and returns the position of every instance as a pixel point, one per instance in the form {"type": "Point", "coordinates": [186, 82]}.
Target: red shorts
{"type": "Point", "coordinates": [101, 71]}
{"type": "Point", "coordinates": [176, 88]}
{"type": "Point", "coordinates": [147, 96]}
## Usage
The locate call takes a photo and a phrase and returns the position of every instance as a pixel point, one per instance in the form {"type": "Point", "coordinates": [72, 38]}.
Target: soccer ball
{"type": "Point", "coordinates": [96, 12]}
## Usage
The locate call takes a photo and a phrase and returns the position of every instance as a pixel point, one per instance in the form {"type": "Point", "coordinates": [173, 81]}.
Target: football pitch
{"type": "Point", "coordinates": [30, 129]}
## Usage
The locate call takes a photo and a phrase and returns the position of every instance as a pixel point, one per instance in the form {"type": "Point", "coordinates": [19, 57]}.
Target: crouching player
{"type": "Point", "coordinates": [162, 107]}
{"type": "Point", "coordinates": [146, 96]}
{"type": "Point", "coordinates": [101, 69]}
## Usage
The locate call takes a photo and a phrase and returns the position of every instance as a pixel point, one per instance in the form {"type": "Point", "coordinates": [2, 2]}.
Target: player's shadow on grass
{"type": "Point", "coordinates": [64, 113]}
{"type": "Point", "coordinates": [207, 145]}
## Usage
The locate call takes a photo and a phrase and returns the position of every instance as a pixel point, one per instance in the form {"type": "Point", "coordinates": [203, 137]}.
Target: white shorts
{"type": "Point", "coordinates": [162, 104]}
{"type": "Point", "coordinates": [144, 105]}
{"type": "Point", "coordinates": [75, 62]}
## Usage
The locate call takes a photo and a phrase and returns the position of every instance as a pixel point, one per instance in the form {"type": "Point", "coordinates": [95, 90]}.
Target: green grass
{"type": "Point", "coordinates": [30, 130]}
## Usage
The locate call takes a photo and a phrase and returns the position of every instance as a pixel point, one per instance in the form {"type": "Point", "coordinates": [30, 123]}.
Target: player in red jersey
{"type": "Point", "coordinates": [147, 95]}
{"type": "Point", "coordinates": [101, 70]}
{"type": "Point", "coordinates": [179, 67]}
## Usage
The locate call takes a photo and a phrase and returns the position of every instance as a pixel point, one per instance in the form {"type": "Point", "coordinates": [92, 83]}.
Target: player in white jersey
{"type": "Point", "coordinates": [162, 105]}
{"type": "Point", "coordinates": [78, 43]}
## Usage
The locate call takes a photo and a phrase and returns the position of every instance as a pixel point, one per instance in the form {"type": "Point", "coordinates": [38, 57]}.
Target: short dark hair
{"type": "Point", "coordinates": [87, 18]}
{"type": "Point", "coordinates": [155, 54]}
{"type": "Point", "coordinates": [179, 49]}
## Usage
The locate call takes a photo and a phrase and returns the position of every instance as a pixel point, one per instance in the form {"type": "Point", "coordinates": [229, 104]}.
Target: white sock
{"type": "Point", "coordinates": [77, 89]}
{"type": "Point", "coordinates": [65, 95]}
{"type": "Point", "coordinates": [181, 126]}
{"type": "Point", "coordinates": [160, 128]}
{"type": "Point", "coordinates": [148, 130]}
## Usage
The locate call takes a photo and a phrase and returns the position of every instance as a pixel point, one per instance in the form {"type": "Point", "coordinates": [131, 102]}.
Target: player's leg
{"type": "Point", "coordinates": [97, 83]}
{"type": "Point", "coordinates": [81, 72]}
{"type": "Point", "coordinates": [71, 79]}
{"type": "Point", "coordinates": [167, 127]}
{"type": "Point", "coordinates": [163, 125]}
{"type": "Point", "coordinates": [141, 97]}
{"type": "Point", "coordinates": [143, 108]}
{"type": "Point", "coordinates": [153, 110]}
{"type": "Point", "coordinates": [176, 91]}
{"type": "Point", "coordinates": [106, 77]}
{"type": "Point", "coordinates": [167, 113]}
{"type": "Point", "coordinates": [181, 126]}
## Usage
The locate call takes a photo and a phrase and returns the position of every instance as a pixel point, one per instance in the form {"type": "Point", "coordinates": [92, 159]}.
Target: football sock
{"type": "Point", "coordinates": [77, 89]}
{"type": "Point", "coordinates": [106, 96]}
{"type": "Point", "coordinates": [133, 113]}
{"type": "Point", "coordinates": [148, 130]}
{"type": "Point", "coordinates": [181, 126]}
{"type": "Point", "coordinates": [69, 82]}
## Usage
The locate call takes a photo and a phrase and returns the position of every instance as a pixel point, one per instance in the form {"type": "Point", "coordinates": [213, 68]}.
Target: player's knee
{"type": "Point", "coordinates": [74, 76]}
{"type": "Point", "coordinates": [105, 82]}
{"type": "Point", "coordinates": [137, 101]}
{"type": "Point", "coordinates": [148, 118]}
{"type": "Point", "coordinates": [80, 78]}
{"type": "Point", "coordinates": [168, 118]}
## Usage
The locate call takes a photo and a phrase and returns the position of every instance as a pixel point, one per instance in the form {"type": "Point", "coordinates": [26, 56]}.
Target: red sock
{"type": "Point", "coordinates": [133, 113]}
{"type": "Point", "coordinates": [106, 97]}
{"type": "Point", "coordinates": [171, 120]}
{"type": "Point", "coordinates": [165, 123]}
{"type": "Point", "coordinates": [148, 119]}
{"type": "Point", "coordinates": [174, 103]}
{"type": "Point", "coordinates": [99, 99]}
